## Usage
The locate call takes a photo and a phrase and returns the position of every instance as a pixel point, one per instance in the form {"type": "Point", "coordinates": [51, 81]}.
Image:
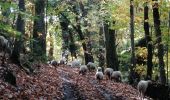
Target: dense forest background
{"type": "Point", "coordinates": [131, 36]}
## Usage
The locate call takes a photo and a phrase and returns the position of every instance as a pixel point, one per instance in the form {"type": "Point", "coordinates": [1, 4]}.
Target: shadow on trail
{"type": "Point", "coordinates": [69, 88]}
{"type": "Point", "coordinates": [105, 92]}
{"type": "Point", "coordinates": [71, 92]}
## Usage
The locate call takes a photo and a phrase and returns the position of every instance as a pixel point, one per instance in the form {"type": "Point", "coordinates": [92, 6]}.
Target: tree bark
{"type": "Point", "coordinates": [72, 46]}
{"type": "Point", "coordinates": [65, 34]}
{"type": "Point", "coordinates": [156, 18]}
{"type": "Point", "coordinates": [50, 54]}
{"type": "Point", "coordinates": [39, 35]}
{"type": "Point", "coordinates": [21, 28]}
{"type": "Point", "coordinates": [148, 42]}
{"type": "Point", "coordinates": [88, 52]}
{"type": "Point", "coordinates": [133, 61]}
{"type": "Point", "coordinates": [111, 56]}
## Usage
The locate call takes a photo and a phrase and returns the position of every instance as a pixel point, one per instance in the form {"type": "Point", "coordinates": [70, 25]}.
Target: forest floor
{"type": "Point", "coordinates": [63, 83]}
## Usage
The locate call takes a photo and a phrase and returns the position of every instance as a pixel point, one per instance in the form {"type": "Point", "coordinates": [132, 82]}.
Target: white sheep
{"type": "Point", "coordinates": [83, 69]}
{"type": "Point", "coordinates": [116, 76]}
{"type": "Point", "coordinates": [48, 62]}
{"type": "Point", "coordinates": [142, 87]}
{"type": "Point", "coordinates": [108, 72]}
{"type": "Point", "coordinates": [5, 45]}
{"type": "Point", "coordinates": [91, 66]}
{"type": "Point", "coordinates": [99, 74]}
{"type": "Point", "coordinates": [76, 63]}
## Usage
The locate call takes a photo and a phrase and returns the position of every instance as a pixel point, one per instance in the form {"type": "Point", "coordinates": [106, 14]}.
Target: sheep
{"type": "Point", "coordinates": [69, 64]}
{"type": "Point", "coordinates": [76, 63]}
{"type": "Point", "coordinates": [5, 45]}
{"type": "Point", "coordinates": [83, 69]}
{"type": "Point", "coordinates": [91, 66]}
{"type": "Point", "coordinates": [63, 61]}
{"type": "Point", "coordinates": [48, 62]}
{"type": "Point", "coordinates": [99, 74]}
{"type": "Point", "coordinates": [142, 87]}
{"type": "Point", "coordinates": [116, 76]}
{"type": "Point", "coordinates": [54, 63]}
{"type": "Point", "coordinates": [108, 72]}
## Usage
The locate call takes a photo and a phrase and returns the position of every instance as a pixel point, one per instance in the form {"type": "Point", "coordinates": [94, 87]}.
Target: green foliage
{"type": "Point", "coordinates": [124, 61]}
{"type": "Point", "coordinates": [141, 53]}
{"type": "Point", "coordinates": [141, 70]}
{"type": "Point", "coordinates": [8, 31]}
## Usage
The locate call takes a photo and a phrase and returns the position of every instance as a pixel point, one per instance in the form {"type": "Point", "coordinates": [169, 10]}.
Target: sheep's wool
{"type": "Point", "coordinates": [99, 75]}
{"type": "Point", "coordinates": [142, 86]}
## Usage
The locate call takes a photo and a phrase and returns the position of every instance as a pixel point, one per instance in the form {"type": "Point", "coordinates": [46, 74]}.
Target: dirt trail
{"type": "Point", "coordinates": [69, 88]}
{"type": "Point", "coordinates": [94, 90]}
{"type": "Point", "coordinates": [64, 83]}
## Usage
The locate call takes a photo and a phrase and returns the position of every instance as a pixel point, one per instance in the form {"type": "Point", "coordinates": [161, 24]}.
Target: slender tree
{"type": "Point", "coordinates": [20, 26]}
{"type": "Point", "coordinates": [65, 34]}
{"type": "Point", "coordinates": [39, 35]}
{"type": "Point", "coordinates": [133, 61]}
{"type": "Point", "coordinates": [87, 55]}
{"type": "Point", "coordinates": [168, 48]}
{"type": "Point", "coordinates": [50, 54]}
{"type": "Point", "coordinates": [72, 46]}
{"type": "Point", "coordinates": [88, 52]}
{"type": "Point", "coordinates": [156, 18]}
{"type": "Point", "coordinates": [148, 42]}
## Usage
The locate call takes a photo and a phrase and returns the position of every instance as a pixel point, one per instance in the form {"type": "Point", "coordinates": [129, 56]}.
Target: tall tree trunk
{"type": "Point", "coordinates": [168, 49]}
{"type": "Point", "coordinates": [88, 56]}
{"type": "Point", "coordinates": [78, 29]}
{"type": "Point", "coordinates": [65, 34]}
{"type": "Point", "coordinates": [72, 46]}
{"type": "Point", "coordinates": [111, 56]}
{"type": "Point", "coordinates": [50, 54]}
{"type": "Point", "coordinates": [46, 16]}
{"type": "Point", "coordinates": [68, 36]}
{"type": "Point", "coordinates": [39, 35]}
{"type": "Point", "coordinates": [148, 42]}
{"type": "Point", "coordinates": [133, 61]}
{"type": "Point", "coordinates": [101, 37]}
{"type": "Point", "coordinates": [88, 52]}
{"type": "Point", "coordinates": [21, 28]}
{"type": "Point", "coordinates": [156, 18]}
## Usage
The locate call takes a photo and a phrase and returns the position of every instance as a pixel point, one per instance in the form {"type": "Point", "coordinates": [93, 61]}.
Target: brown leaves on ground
{"type": "Point", "coordinates": [48, 83]}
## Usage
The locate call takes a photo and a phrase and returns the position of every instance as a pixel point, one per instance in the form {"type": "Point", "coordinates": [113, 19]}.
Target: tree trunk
{"type": "Point", "coordinates": [39, 35]}
{"type": "Point", "coordinates": [168, 50]}
{"type": "Point", "coordinates": [72, 46]}
{"type": "Point", "coordinates": [133, 61]}
{"type": "Point", "coordinates": [21, 28]}
{"type": "Point", "coordinates": [65, 34]}
{"type": "Point", "coordinates": [111, 56]}
{"type": "Point", "coordinates": [88, 52]}
{"type": "Point", "coordinates": [87, 55]}
{"type": "Point", "coordinates": [50, 54]}
{"type": "Point", "coordinates": [156, 18]}
{"type": "Point", "coordinates": [68, 36]}
{"type": "Point", "coordinates": [149, 43]}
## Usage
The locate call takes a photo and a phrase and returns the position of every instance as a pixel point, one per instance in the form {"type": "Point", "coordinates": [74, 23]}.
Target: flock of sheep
{"type": "Point", "coordinates": [112, 75]}
{"type": "Point", "coordinates": [109, 73]}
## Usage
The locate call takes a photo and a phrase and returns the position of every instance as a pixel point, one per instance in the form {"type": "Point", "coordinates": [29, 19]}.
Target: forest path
{"type": "Point", "coordinates": [64, 83]}
{"type": "Point", "coordinates": [88, 87]}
